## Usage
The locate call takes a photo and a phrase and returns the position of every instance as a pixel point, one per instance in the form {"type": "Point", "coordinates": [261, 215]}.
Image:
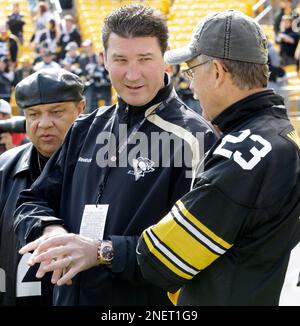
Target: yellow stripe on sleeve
{"type": "Point", "coordinates": [163, 259]}
{"type": "Point", "coordinates": [202, 227]}
{"type": "Point", "coordinates": [183, 244]}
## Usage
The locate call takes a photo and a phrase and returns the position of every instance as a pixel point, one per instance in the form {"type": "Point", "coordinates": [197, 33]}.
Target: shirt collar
{"type": "Point", "coordinates": [243, 109]}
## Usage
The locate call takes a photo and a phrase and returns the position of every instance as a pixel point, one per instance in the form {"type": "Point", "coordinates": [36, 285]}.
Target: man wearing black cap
{"type": "Point", "coordinates": [52, 99]}
{"type": "Point", "coordinates": [239, 228]}
{"type": "Point", "coordinates": [119, 170]}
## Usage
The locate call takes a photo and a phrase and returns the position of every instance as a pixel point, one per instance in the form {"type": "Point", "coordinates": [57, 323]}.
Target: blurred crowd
{"type": "Point", "coordinates": [285, 50]}
{"type": "Point", "coordinates": [56, 42]}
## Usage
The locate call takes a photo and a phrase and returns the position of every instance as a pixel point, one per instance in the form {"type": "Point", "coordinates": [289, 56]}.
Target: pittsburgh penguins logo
{"type": "Point", "coordinates": [140, 167]}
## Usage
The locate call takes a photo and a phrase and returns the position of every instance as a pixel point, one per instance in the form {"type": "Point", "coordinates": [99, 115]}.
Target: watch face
{"type": "Point", "coordinates": [107, 253]}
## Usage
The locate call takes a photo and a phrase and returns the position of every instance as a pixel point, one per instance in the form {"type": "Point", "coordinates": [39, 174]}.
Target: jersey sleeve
{"type": "Point", "coordinates": [206, 222]}
{"type": "Point", "coordinates": [185, 241]}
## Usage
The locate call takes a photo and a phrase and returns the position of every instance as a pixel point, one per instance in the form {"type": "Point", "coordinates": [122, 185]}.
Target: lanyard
{"type": "Point", "coordinates": [123, 144]}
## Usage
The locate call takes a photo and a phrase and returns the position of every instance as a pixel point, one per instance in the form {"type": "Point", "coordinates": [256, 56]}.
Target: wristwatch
{"type": "Point", "coordinates": [105, 253]}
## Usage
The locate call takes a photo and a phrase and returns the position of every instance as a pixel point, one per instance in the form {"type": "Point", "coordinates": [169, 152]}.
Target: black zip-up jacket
{"type": "Point", "coordinates": [18, 170]}
{"type": "Point", "coordinates": [239, 227]}
{"type": "Point", "coordinates": [137, 197]}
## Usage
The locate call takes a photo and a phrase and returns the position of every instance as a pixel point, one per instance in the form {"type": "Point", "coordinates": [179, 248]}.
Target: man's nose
{"type": "Point", "coordinates": [133, 72]}
{"type": "Point", "coordinates": [45, 121]}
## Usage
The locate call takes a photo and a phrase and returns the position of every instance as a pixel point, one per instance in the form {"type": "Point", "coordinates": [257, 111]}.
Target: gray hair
{"type": "Point", "coordinates": [245, 75]}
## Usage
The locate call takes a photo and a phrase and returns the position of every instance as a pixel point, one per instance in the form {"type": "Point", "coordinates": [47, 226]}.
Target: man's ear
{"type": "Point", "coordinates": [81, 106]}
{"type": "Point", "coordinates": [219, 72]}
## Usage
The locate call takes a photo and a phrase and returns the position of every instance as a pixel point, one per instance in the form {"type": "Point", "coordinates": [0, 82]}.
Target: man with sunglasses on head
{"type": "Point", "coordinates": [234, 239]}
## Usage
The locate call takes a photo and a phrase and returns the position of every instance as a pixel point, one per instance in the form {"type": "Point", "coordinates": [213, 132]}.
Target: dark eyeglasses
{"type": "Point", "coordinates": [189, 73]}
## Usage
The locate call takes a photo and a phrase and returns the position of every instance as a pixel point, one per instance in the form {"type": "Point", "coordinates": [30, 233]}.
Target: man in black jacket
{"type": "Point", "coordinates": [52, 100]}
{"type": "Point", "coordinates": [234, 239]}
{"type": "Point", "coordinates": [119, 170]}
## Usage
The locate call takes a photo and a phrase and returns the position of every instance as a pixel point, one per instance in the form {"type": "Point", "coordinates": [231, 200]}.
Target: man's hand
{"type": "Point", "coordinates": [49, 231]}
{"type": "Point", "coordinates": [64, 254]}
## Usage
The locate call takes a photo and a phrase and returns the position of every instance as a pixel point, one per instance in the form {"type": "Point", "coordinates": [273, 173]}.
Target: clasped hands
{"type": "Point", "coordinates": [64, 254]}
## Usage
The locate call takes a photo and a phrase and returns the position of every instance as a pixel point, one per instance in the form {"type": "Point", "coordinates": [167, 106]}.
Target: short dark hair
{"type": "Point", "coordinates": [136, 21]}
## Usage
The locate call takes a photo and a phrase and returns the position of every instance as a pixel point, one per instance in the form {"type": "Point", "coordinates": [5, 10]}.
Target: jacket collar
{"type": "Point", "coordinates": [243, 109]}
{"type": "Point", "coordinates": [29, 162]}
{"type": "Point", "coordinates": [26, 160]}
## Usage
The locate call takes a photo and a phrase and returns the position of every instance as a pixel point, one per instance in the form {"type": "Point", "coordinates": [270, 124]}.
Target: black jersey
{"type": "Point", "coordinates": [233, 240]}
